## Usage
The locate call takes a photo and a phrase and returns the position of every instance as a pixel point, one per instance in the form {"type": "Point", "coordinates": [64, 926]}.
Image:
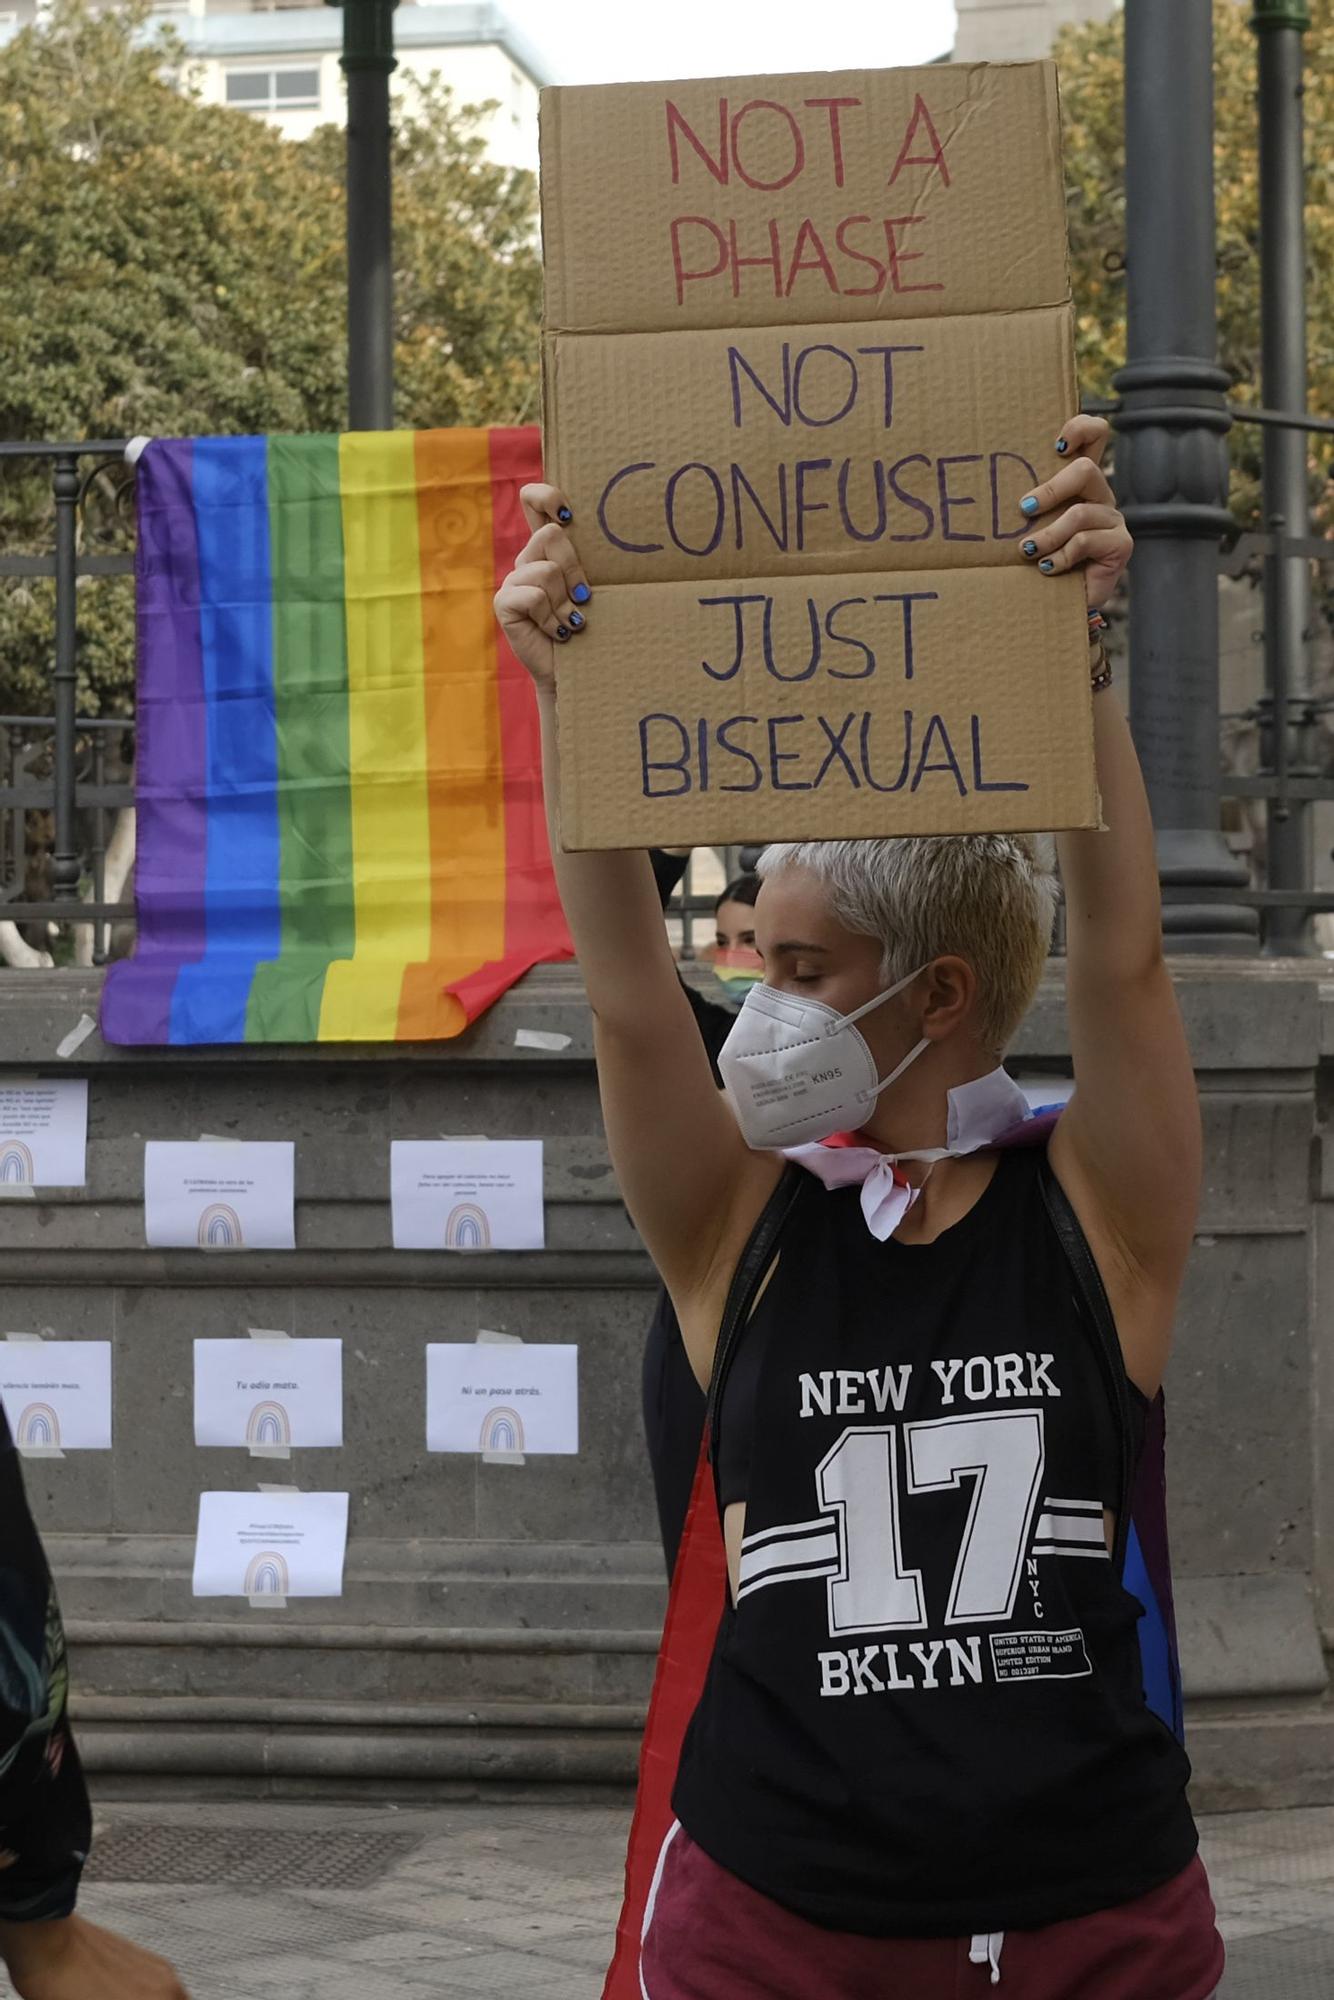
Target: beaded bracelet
{"type": "Point", "coordinates": [1101, 665]}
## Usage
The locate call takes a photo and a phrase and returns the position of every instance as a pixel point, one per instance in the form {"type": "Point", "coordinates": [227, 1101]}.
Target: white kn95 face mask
{"type": "Point", "coordinates": [796, 1069]}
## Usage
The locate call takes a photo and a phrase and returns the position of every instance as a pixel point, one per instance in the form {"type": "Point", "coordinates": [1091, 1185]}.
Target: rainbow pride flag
{"type": "Point", "coordinates": [340, 826]}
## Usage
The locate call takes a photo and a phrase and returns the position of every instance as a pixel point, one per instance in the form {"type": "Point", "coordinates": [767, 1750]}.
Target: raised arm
{"type": "Point", "coordinates": [678, 1154]}
{"type": "Point", "coordinates": [1128, 1149]}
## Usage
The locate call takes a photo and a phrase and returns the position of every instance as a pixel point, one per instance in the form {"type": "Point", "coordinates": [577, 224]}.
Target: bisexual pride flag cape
{"type": "Point", "coordinates": [340, 825]}
{"type": "Point", "coordinates": [694, 1612]}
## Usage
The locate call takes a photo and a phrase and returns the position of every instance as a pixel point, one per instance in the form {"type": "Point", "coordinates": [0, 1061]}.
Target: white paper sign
{"type": "Point", "coordinates": [44, 1133]}
{"type": "Point", "coordinates": [510, 1398]}
{"type": "Point", "coordinates": [57, 1393]}
{"type": "Point", "coordinates": [211, 1195]}
{"type": "Point", "coordinates": [269, 1392]}
{"type": "Point", "coordinates": [270, 1545]}
{"type": "Point", "coordinates": [467, 1194]}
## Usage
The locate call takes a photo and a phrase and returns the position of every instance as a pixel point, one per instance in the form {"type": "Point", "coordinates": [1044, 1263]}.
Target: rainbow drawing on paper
{"type": "Point", "coordinates": [16, 1163]}
{"type": "Point", "coordinates": [502, 1430]}
{"type": "Point", "coordinates": [468, 1227]}
{"type": "Point", "coordinates": [38, 1425]}
{"type": "Point", "coordinates": [269, 1423]}
{"type": "Point", "coordinates": [267, 1575]}
{"type": "Point", "coordinates": [220, 1228]}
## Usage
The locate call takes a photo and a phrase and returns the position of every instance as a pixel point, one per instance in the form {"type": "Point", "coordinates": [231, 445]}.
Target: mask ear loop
{"type": "Point", "coordinates": [900, 986]}
{"type": "Point", "coordinates": [907, 1063]}
{"type": "Point", "coordinates": [925, 1153]}
{"type": "Point", "coordinates": [850, 1020]}
{"type": "Point", "coordinates": [893, 1077]}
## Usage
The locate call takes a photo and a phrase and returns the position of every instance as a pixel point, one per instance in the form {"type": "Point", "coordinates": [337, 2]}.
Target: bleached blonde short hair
{"type": "Point", "coordinates": [988, 898]}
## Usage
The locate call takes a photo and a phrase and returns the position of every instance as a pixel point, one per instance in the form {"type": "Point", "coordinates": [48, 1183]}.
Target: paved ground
{"type": "Point", "coordinates": [468, 1901]}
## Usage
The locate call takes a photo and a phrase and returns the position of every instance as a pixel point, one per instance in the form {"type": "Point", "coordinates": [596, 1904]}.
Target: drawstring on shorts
{"type": "Point", "coordinates": [986, 1949]}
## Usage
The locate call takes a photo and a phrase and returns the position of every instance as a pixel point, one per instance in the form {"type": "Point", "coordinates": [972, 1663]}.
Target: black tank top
{"type": "Point", "coordinates": [925, 1715]}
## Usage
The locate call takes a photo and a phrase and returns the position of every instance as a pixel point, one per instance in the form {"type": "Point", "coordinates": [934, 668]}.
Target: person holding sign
{"type": "Point", "coordinates": [923, 1761]}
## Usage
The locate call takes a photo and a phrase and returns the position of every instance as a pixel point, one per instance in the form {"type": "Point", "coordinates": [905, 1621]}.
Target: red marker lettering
{"type": "Point", "coordinates": [790, 174]}
{"type": "Point", "coordinates": [719, 167]}
{"type": "Point", "coordinates": [907, 158]}
{"type": "Point", "coordinates": [833, 105]}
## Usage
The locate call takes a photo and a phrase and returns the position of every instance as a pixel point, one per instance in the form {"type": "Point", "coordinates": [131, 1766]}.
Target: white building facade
{"type": "Point", "coordinates": [1019, 30]}
{"type": "Point", "coordinates": [280, 62]}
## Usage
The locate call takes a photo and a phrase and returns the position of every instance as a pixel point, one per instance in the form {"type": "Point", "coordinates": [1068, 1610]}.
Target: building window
{"type": "Point", "coordinates": [274, 89]}
{"type": "Point", "coordinates": [8, 20]}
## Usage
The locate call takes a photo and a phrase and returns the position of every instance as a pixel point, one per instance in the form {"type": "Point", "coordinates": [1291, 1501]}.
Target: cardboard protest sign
{"type": "Point", "coordinates": [808, 340]}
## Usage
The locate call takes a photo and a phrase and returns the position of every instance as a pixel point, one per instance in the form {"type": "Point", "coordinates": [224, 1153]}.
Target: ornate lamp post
{"type": "Point", "coordinates": [368, 61]}
{"type": "Point", "coordinates": [1172, 464]}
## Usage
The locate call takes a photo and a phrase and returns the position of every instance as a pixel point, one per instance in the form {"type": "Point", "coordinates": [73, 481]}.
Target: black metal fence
{"type": "Point", "coordinates": [1296, 763]}
{"type": "Point", "coordinates": [63, 776]}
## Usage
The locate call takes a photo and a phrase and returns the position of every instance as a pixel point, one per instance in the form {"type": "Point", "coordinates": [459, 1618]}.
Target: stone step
{"type": "Point", "coordinates": [287, 1762]}
{"type": "Point", "coordinates": [226, 1746]}
{"type": "Point", "coordinates": [373, 1601]}
{"type": "Point", "coordinates": [497, 1710]}
{"type": "Point", "coordinates": [295, 1744]}
{"type": "Point", "coordinates": [437, 1585]}
{"type": "Point", "coordinates": [395, 1664]}
{"type": "Point", "coordinates": [1253, 1756]}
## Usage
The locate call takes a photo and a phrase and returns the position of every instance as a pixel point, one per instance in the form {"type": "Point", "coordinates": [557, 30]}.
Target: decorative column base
{"type": "Point", "coordinates": [1189, 861]}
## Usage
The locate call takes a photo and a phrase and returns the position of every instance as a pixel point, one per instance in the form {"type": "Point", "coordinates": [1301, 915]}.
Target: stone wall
{"type": "Point", "coordinates": [499, 1622]}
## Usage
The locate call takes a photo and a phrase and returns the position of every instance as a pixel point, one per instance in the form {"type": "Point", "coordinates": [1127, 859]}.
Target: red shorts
{"type": "Point", "coordinates": [710, 1937]}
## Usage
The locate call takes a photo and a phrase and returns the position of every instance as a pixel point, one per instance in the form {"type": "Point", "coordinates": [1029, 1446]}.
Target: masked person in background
{"type": "Point", "coordinates": [49, 1952]}
{"type": "Point", "coordinates": [923, 1762]}
{"type": "Point", "coordinates": [673, 1402]}
{"type": "Point", "coordinates": [735, 961]}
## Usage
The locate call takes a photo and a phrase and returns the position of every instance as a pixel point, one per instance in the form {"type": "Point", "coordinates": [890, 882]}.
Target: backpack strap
{"type": "Point", "coordinates": [1097, 1312]}
{"type": "Point", "coordinates": [746, 1281]}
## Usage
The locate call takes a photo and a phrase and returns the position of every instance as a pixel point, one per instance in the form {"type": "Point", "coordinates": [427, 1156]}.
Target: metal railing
{"type": "Point", "coordinates": [1282, 783]}
{"type": "Point", "coordinates": [1287, 719]}
{"type": "Point", "coordinates": [60, 764]}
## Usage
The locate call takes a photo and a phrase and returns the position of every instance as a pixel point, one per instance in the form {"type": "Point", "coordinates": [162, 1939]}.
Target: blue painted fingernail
{"type": "Point", "coordinates": [577, 620]}
{"type": "Point", "coordinates": [1063, 446]}
{"type": "Point", "coordinates": [1029, 505]}
{"type": "Point", "coordinates": [564, 514]}
{"type": "Point", "coordinates": [1029, 548]}
{"type": "Point", "coordinates": [1046, 565]}
{"type": "Point", "coordinates": [581, 593]}
{"type": "Point", "coordinates": [562, 631]}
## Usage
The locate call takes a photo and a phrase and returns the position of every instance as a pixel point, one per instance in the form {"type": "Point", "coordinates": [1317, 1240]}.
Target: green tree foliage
{"type": "Point", "coordinates": [173, 268]}
{"type": "Point", "coordinates": [1091, 65]}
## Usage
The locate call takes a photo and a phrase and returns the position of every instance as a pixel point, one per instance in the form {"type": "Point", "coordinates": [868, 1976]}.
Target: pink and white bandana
{"type": "Point", "coordinates": [991, 1110]}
